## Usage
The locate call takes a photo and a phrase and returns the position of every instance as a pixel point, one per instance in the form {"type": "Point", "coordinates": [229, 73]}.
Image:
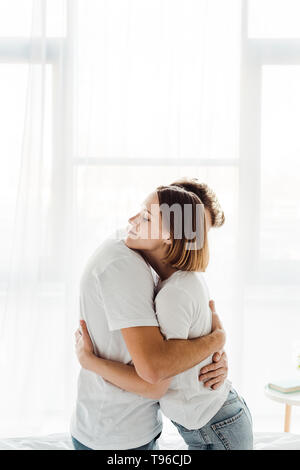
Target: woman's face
{"type": "Point", "coordinates": [145, 230]}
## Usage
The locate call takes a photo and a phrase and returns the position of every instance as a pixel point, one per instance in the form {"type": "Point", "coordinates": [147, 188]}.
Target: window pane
{"type": "Point", "coordinates": [13, 121]}
{"type": "Point", "coordinates": [24, 18]}
{"type": "Point", "coordinates": [280, 163]}
{"type": "Point", "coordinates": [163, 81]}
{"type": "Point", "coordinates": [274, 18]}
{"type": "Point", "coordinates": [56, 17]}
{"type": "Point", "coordinates": [13, 84]}
{"type": "Point", "coordinates": [15, 17]}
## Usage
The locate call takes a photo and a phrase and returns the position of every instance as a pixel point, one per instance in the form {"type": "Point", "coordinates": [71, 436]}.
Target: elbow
{"type": "Point", "coordinates": [160, 389]}
{"type": "Point", "coordinates": [154, 377]}
{"type": "Point", "coordinates": [149, 373]}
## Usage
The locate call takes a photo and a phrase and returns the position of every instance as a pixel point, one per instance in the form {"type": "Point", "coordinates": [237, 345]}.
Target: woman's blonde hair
{"type": "Point", "coordinates": [182, 254]}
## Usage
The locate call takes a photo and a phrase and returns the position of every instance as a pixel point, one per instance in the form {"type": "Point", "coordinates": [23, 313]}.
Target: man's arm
{"type": "Point", "coordinates": [156, 359]}
{"type": "Point", "coordinates": [214, 374]}
{"type": "Point", "coordinates": [124, 289]}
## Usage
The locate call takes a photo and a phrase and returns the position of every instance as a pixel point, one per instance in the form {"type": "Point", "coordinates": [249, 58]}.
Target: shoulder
{"type": "Point", "coordinates": [118, 262]}
{"type": "Point", "coordinates": [114, 259]}
{"type": "Point", "coordinates": [176, 290]}
{"type": "Point", "coordinates": [114, 252]}
{"type": "Point", "coordinates": [193, 283]}
{"type": "Point", "coordinates": [175, 309]}
{"type": "Point", "coordinates": [184, 288]}
{"type": "Point", "coordinates": [182, 282]}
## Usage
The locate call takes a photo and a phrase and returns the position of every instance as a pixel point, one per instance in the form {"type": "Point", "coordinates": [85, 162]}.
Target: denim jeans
{"type": "Point", "coordinates": [152, 445]}
{"type": "Point", "coordinates": [229, 429]}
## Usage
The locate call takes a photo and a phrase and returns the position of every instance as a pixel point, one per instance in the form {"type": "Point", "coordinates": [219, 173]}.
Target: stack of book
{"type": "Point", "coordinates": [286, 386]}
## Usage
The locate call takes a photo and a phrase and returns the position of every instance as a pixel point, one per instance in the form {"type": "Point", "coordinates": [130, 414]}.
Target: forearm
{"type": "Point", "coordinates": [124, 376]}
{"type": "Point", "coordinates": [176, 356]}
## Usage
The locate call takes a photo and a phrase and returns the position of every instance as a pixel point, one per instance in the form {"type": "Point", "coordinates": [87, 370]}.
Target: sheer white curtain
{"type": "Point", "coordinates": [38, 289]}
{"type": "Point", "coordinates": [102, 101]}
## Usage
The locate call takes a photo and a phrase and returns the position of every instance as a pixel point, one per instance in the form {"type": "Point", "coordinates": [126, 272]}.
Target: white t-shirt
{"type": "Point", "coordinates": [116, 291]}
{"type": "Point", "coordinates": [182, 309]}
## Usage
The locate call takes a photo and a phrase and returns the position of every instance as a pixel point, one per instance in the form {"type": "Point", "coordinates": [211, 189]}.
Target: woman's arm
{"type": "Point", "coordinates": [122, 375]}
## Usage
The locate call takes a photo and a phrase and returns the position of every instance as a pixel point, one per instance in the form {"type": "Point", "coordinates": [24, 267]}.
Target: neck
{"type": "Point", "coordinates": [154, 258]}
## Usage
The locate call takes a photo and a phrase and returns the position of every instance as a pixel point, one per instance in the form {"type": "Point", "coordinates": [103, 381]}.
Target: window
{"type": "Point", "coordinates": [136, 94]}
{"type": "Point", "coordinates": [269, 141]}
{"type": "Point", "coordinates": [273, 18]}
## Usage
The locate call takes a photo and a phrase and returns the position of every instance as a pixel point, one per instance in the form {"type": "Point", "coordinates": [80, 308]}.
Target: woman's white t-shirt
{"type": "Point", "coordinates": [182, 309]}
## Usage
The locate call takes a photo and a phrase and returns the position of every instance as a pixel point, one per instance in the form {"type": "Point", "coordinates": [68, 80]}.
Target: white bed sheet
{"type": "Point", "coordinates": [170, 440]}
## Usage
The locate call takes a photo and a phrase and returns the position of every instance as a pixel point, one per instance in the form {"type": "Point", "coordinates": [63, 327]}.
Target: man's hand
{"type": "Point", "coordinates": [84, 346]}
{"type": "Point", "coordinates": [213, 375]}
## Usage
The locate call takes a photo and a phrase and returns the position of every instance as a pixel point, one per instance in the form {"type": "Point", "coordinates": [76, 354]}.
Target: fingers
{"type": "Point", "coordinates": [221, 364]}
{"type": "Point", "coordinates": [224, 356]}
{"type": "Point", "coordinates": [80, 332]}
{"type": "Point", "coordinates": [210, 367]}
{"type": "Point", "coordinates": [85, 334]}
{"type": "Point", "coordinates": [220, 356]}
{"type": "Point", "coordinates": [77, 335]}
{"type": "Point", "coordinates": [216, 357]}
{"type": "Point", "coordinates": [84, 328]}
{"type": "Point", "coordinates": [217, 385]}
{"type": "Point", "coordinates": [212, 375]}
{"type": "Point", "coordinates": [214, 383]}
{"type": "Point", "coordinates": [212, 306]}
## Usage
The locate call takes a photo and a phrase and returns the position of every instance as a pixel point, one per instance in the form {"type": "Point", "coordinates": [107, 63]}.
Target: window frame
{"type": "Point", "coordinates": [255, 54]}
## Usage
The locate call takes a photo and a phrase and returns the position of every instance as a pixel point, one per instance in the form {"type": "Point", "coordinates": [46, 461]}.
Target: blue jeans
{"type": "Point", "coordinates": [229, 429]}
{"type": "Point", "coordinates": [152, 445]}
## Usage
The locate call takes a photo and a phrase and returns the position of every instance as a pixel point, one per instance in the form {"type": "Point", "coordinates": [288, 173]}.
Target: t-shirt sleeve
{"type": "Point", "coordinates": [174, 311]}
{"type": "Point", "coordinates": [127, 289]}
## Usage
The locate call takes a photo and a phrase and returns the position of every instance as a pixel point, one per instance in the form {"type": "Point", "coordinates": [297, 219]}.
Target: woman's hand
{"type": "Point", "coordinates": [216, 322]}
{"type": "Point", "coordinates": [217, 327]}
{"type": "Point", "coordinates": [84, 346]}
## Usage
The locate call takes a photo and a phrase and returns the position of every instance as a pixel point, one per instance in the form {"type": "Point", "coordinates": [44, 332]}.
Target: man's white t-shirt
{"type": "Point", "coordinates": [182, 309]}
{"type": "Point", "coordinates": [116, 291]}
